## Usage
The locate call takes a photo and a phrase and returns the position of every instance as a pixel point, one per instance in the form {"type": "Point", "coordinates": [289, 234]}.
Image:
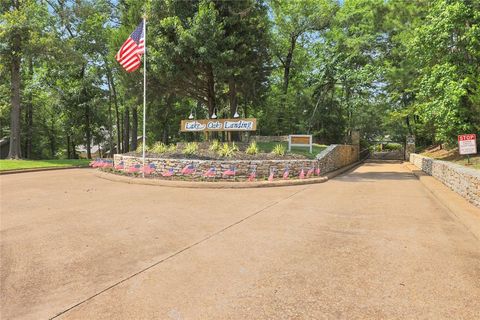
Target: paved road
{"type": "Point", "coordinates": [371, 244]}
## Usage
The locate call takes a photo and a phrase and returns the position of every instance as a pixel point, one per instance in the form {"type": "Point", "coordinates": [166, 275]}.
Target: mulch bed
{"type": "Point", "coordinates": [210, 155]}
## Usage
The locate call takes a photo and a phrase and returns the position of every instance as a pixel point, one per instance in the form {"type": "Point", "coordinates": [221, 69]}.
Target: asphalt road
{"type": "Point", "coordinates": [370, 244]}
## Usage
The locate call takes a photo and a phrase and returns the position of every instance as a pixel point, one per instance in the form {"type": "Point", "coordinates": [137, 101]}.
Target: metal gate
{"type": "Point", "coordinates": [387, 150]}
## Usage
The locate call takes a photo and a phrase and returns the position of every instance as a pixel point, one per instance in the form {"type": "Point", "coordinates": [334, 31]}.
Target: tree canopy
{"type": "Point", "coordinates": [325, 67]}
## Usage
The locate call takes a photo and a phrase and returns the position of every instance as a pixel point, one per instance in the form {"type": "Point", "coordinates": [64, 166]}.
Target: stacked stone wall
{"type": "Point", "coordinates": [337, 156]}
{"type": "Point", "coordinates": [332, 158]}
{"type": "Point", "coordinates": [465, 181]}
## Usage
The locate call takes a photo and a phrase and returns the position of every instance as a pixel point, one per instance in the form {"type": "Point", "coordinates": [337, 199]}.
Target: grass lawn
{"type": "Point", "coordinates": [268, 147]}
{"type": "Point", "coordinates": [30, 164]}
{"type": "Point", "coordinates": [474, 162]}
{"type": "Point", "coordinates": [453, 156]}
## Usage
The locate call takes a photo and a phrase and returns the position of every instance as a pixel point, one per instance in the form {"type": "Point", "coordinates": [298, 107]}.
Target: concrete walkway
{"type": "Point", "coordinates": [370, 244]}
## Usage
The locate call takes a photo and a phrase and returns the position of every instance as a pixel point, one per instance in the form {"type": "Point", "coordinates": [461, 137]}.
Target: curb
{"type": "Point", "coordinates": [41, 169]}
{"type": "Point", "coordinates": [383, 161]}
{"type": "Point", "coordinates": [456, 205]}
{"type": "Point", "coordinates": [206, 185]}
{"type": "Point", "coordinates": [222, 185]}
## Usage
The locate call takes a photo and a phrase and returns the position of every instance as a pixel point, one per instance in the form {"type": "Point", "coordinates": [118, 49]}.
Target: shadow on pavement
{"type": "Point", "coordinates": [372, 176]}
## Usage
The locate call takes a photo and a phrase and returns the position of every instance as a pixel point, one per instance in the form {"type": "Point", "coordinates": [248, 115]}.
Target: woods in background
{"type": "Point", "coordinates": [321, 66]}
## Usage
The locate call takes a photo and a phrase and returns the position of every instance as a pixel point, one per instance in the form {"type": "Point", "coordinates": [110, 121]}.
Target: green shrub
{"type": "Point", "coordinates": [227, 151]}
{"type": "Point", "coordinates": [158, 147]}
{"type": "Point", "coordinates": [215, 146]}
{"type": "Point", "coordinates": [191, 148]}
{"type": "Point", "coordinates": [392, 146]}
{"type": "Point", "coordinates": [139, 148]}
{"type": "Point", "coordinates": [252, 148]}
{"type": "Point", "coordinates": [279, 150]}
{"type": "Point", "coordinates": [385, 147]}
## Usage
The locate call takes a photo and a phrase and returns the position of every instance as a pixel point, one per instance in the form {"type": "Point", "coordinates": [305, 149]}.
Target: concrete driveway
{"type": "Point", "coordinates": [371, 244]}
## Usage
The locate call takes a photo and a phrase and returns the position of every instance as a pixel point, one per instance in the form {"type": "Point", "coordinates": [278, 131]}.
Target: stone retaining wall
{"type": "Point", "coordinates": [465, 181]}
{"type": "Point", "coordinates": [332, 158]}
{"type": "Point", "coordinates": [337, 156]}
{"type": "Point", "coordinates": [243, 167]}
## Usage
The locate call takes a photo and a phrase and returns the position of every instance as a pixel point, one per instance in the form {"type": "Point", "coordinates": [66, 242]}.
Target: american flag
{"type": "Point", "coordinates": [317, 171]}
{"type": "Point", "coordinates": [286, 173]}
{"type": "Point", "coordinates": [272, 174]}
{"type": "Point", "coordinates": [131, 51]}
{"type": "Point", "coordinates": [108, 164]}
{"type": "Point", "coordinates": [149, 169]}
{"type": "Point", "coordinates": [98, 163]}
{"type": "Point", "coordinates": [134, 168]}
{"type": "Point", "coordinates": [168, 173]}
{"type": "Point", "coordinates": [189, 169]}
{"type": "Point", "coordinates": [302, 174]}
{"type": "Point", "coordinates": [120, 166]}
{"type": "Point", "coordinates": [229, 172]}
{"type": "Point", "coordinates": [310, 172]}
{"type": "Point", "coordinates": [210, 173]}
{"type": "Point", "coordinates": [252, 175]}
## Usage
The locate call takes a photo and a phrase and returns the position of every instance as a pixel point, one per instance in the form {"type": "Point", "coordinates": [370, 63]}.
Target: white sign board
{"type": "Point", "coordinates": [467, 144]}
{"type": "Point", "coordinates": [300, 140]}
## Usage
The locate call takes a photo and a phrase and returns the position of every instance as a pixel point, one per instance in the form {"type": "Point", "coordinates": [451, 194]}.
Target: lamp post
{"type": "Point", "coordinates": [214, 115]}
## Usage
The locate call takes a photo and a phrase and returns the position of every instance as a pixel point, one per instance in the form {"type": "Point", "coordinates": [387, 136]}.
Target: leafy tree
{"type": "Point", "coordinates": [22, 29]}
{"type": "Point", "coordinates": [326, 67]}
{"type": "Point", "coordinates": [446, 50]}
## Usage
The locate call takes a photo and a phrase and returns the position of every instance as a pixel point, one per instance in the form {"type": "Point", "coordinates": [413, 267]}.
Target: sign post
{"type": "Point", "coordinates": [467, 144]}
{"type": "Point", "coordinates": [300, 140]}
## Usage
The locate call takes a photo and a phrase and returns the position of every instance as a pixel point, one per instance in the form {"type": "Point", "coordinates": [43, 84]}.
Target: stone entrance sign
{"type": "Point", "coordinates": [206, 125]}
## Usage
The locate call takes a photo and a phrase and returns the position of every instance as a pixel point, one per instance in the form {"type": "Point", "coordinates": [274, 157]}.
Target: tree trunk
{"type": "Point", "coordinates": [111, 81]}
{"type": "Point", "coordinates": [29, 116]}
{"type": "Point", "coordinates": [409, 126]}
{"type": "Point", "coordinates": [134, 139]}
{"type": "Point", "coordinates": [232, 96]}
{"type": "Point", "coordinates": [29, 124]}
{"type": "Point", "coordinates": [88, 133]}
{"type": "Point", "coordinates": [110, 122]}
{"type": "Point", "coordinates": [165, 135]}
{"type": "Point", "coordinates": [74, 153]}
{"type": "Point", "coordinates": [52, 139]}
{"type": "Point", "coordinates": [69, 155]}
{"type": "Point", "coordinates": [288, 64]}
{"type": "Point", "coordinates": [166, 115]}
{"type": "Point", "coordinates": [126, 130]}
{"type": "Point", "coordinates": [110, 131]}
{"type": "Point", "coordinates": [211, 91]}
{"type": "Point", "coordinates": [349, 112]}
{"type": "Point", "coordinates": [15, 144]}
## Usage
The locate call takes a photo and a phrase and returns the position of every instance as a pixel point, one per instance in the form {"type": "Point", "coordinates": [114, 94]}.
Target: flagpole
{"type": "Point", "coordinates": [144, 89]}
